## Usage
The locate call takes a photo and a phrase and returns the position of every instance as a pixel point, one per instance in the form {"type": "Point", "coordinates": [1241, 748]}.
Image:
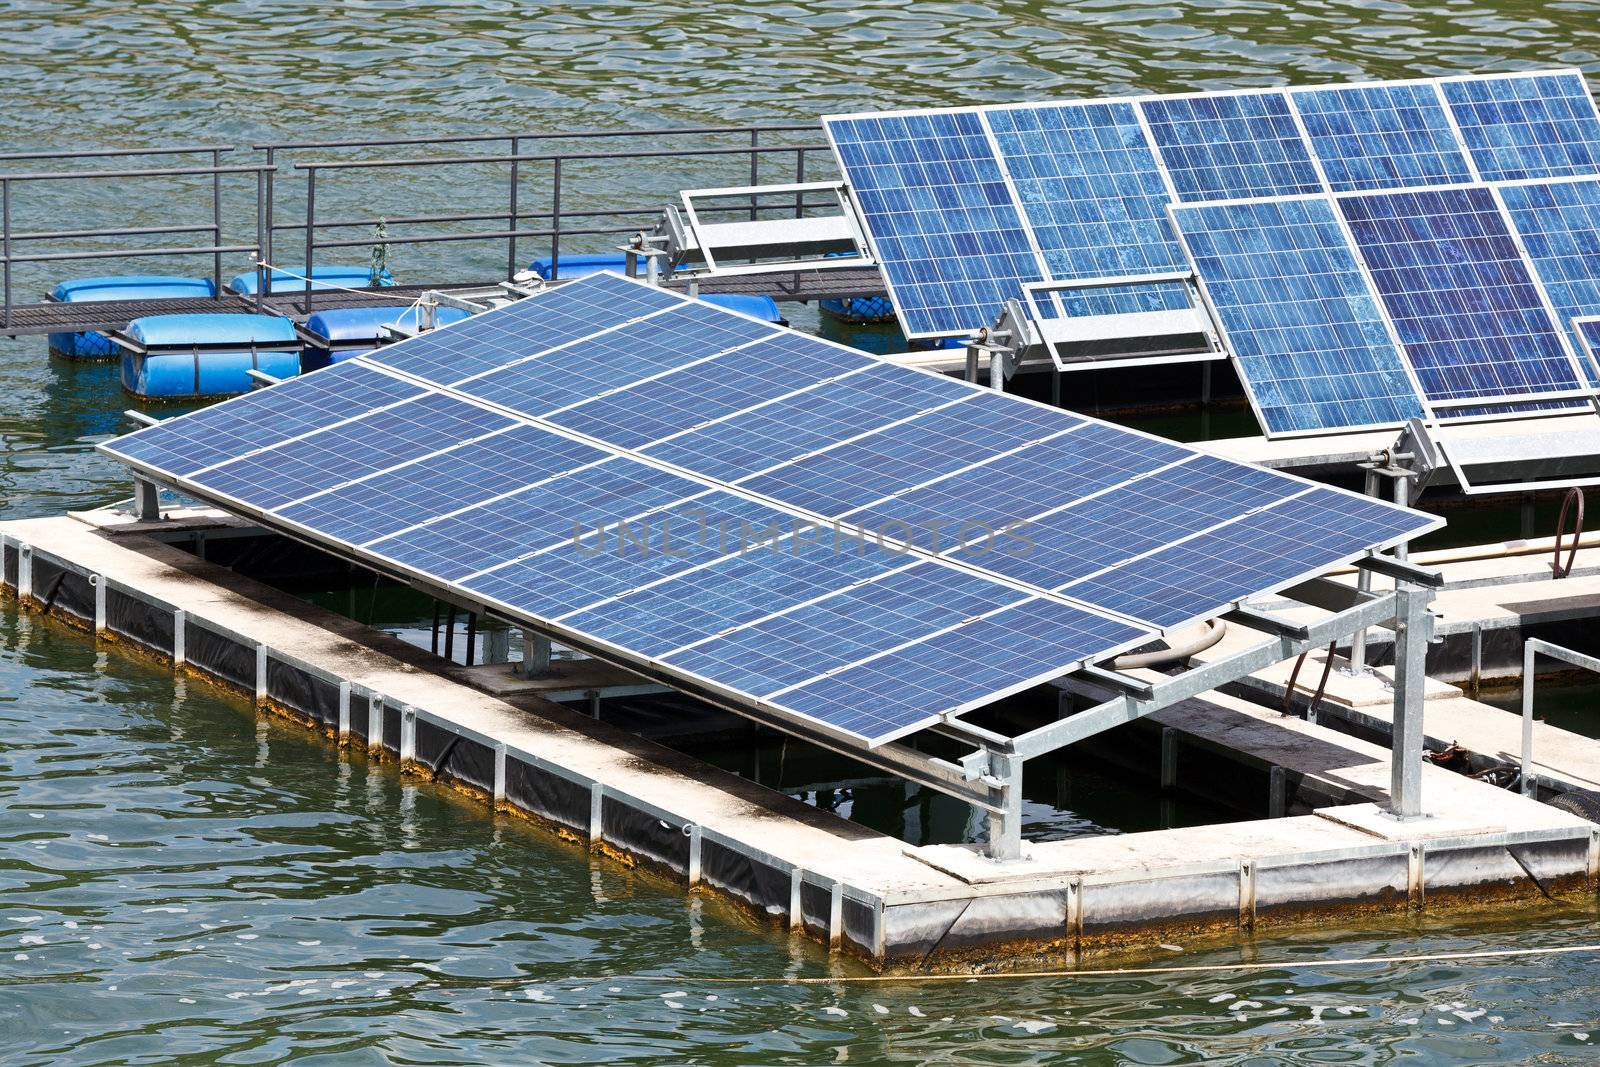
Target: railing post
{"type": "Point", "coordinates": [5, 220]}
{"type": "Point", "coordinates": [511, 242]}
{"type": "Point", "coordinates": [755, 169]}
{"type": "Point", "coordinates": [1005, 828]}
{"type": "Point", "coordinates": [799, 179]}
{"type": "Point", "coordinates": [1528, 652]}
{"type": "Point", "coordinates": [272, 218]}
{"type": "Point", "coordinates": [555, 220]}
{"type": "Point", "coordinates": [311, 238]}
{"type": "Point", "coordinates": [216, 222]}
{"type": "Point", "coordinates": [261, 239]}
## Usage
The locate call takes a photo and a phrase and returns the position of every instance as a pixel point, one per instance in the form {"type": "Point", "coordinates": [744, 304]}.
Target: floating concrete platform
{"type": "Point", "coordinates": [892, 904]}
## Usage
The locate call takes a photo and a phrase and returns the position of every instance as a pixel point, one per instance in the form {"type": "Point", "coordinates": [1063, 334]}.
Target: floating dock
{"type": "Point", "coordinates": [1332, 851]}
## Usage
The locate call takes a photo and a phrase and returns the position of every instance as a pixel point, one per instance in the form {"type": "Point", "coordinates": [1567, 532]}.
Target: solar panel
{"type": "Point", "coordinates": [1305, 331]}
{"type": "Point", "coordinates": [1462, 299]}
{"type": "Point", "coordinates": [673, 569]}
{"type": "Point", "coordinates": [1230, 146]}
{"type": "Point", "coordinates": [1527, 125]}
{"type": "Point", "coordinates": [1589, 333]}
{"type": "Point", "coordinates": [941, 218]}
{"type": "Point", "coordinates": [1094, 197]}
{"type": "Point", "coordinates": [1381, 136]}
{"type": "Point", "coordinates": [1559, 223]}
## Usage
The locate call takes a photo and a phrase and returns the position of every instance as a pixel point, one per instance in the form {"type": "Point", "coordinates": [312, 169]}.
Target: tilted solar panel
{"type": "Point", "coordinates": [1390, 136]}
{"type": "Point", "coordinates": [1093, 194]}
{"type": "Point", "coordinates": [1289, 295]}
{"type": "Point", "coordinates": [1230, 146]}
{"type": "Point", "coordinates": [1463, 301]}
{"type": "Point", "coordinates": [815, 509]}
{"type": "Point", "coordinates": [1559, 223]}
{"type": "Point", "coordinates": [1527, 125]}
{"type": "Point", "coordinates": [941, 219]}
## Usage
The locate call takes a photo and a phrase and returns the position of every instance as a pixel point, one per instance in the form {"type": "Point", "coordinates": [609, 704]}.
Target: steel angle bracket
{"type": "Point", "coordinates": [1417, 453]}
{"type": "Point", "coordinates": [1012, 337]}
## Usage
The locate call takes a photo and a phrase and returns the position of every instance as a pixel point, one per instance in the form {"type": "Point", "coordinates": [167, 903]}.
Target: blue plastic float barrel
{"type": "Point", "coordinates": [338, 334]}
{"type": "Point", "coordinates": [292, 280]}
{"type": "Point", "coordinates": [859, 310]}
{"type": "Point", "coordinates": [88, 345]}
{"type": "Point", "coordinates": [188, 356]}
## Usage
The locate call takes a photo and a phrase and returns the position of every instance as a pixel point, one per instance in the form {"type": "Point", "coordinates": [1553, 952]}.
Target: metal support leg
{"type": "Point", "coordinates": [997, 372]}
{"type": "Point", "coordinates": [1413, 629]}
{"type": "Point", "coordinates": [1358, 642]}
{"type": "Point", "coordinates": [972, 364]}
{"type": "Point", "coordinates": [1402, 496]}
{"type": "Point", "coordinates": [496, 645]}
{"type": "Point", "coordinates": [1005, 828]}
{"type": "Point", "coordinates": [146, 500]}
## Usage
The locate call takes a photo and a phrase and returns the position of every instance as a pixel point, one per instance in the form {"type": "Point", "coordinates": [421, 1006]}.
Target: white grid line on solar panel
{"type": "Point", "coordinates": [319, 429]}
{"type": "Point", "coordinates": [1312, 253]}
{"type": "Point", "coordinates": [1220, 147]}
{"type": "Point", "coordinates": [1565, 257]}
{"type": "Point", "coordinates": [300, 401]}
{"type": "Point", "coordinates": [1365, 137]}
{"type": "Point", "coordinates": [891, 651]}
{"type": "Point", "coordinates": [1542, 124]}
{"type": "Point", "coordinates": [964, 250]}
{"type": "Point", "coordinates": [804, 604]}
{"type": "Point", "coordinates": [741, 493]}
{"type": "Point", "coordinates": [548, 548]}
{"type": "Point", "coordinates": [1093, 199]}
{"type": "Point", "coordinates": [969, 468]}
{"type": "Point", "coordinates": [1183, 540]}
{"type": "Point", "coordinates": [964, 432]}
{"type": "Point", "coordinates": [680, 399]}
{"type": "Point", "coordinates": [1466, 237]}
{"type": "Point", "coordinates": [535, 322]}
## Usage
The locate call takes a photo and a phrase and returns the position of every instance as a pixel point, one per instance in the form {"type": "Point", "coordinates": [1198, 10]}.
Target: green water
{"type": "Point", "coordinates": [182, 883]}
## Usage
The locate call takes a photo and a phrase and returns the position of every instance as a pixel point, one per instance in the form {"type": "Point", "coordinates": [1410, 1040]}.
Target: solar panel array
{"type": "Point", "coordinates": [753, 514]}
{"type": "Point", "coordinates": [1100, 188]}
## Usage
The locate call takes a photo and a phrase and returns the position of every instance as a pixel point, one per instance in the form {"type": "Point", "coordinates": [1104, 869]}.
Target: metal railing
{"type": "Point", "coordinates": [216, 170]}
{"type": "Point", "coordinates": [538, 200]}
{"type": "Point", "coordinates": [554, 224]}
{"type": "Point", "coordinates": [1531, 648]}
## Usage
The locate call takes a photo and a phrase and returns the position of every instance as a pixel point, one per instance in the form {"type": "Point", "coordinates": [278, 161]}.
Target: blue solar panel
{"type": "Point", "coordinates": [848, 476]}
{"type": "Point", "coordinates": [1589, 334]}
{"type": "Point", "coordinates": [724, 580]}
{"type": "Point", "coordinates": [628, 553]}
{"type": "Point", "coordinates": [647, 411]}
{"type": "Point", "coordinates": [459, 543]}
{"type": "Point", "coordinates": [1381, 136]}
{"type": "Point", "coordinates": [1230, 146]}
{"type": "Point", "coordinates": [1015, 487]}
{"type": "Point", "coordinates": [1559, 223]}
{"type": "Point", "coordinates": [482, 342]}
{"type": "Point", "coordinates": [1094, 197]}
{"type": "Point", "coordinates": [1090, 535]}
{"type": "Point", "coordinates": [806, 422]}
{"type": "Point", "coordinates": [1263, 550]}
{"type": "Point", "coordinates": [1527, 125]}
{"type": "Point", "coordinates": [960, 668]}
{"type": "Point", "coordinates": [1305, 331]}
{"type": "Point", "coordinates": [595, 365]}
{"type": "Point", "coordinates": [943, 223]}
{"type": "Point", "coordinates": [1459, 293]}
{"type": "Point", "coordinates": [364, 445]}
{"type": "Point", "coordinates": [467, 474]}
{"type": "Point", "coordinates": [255, 420]}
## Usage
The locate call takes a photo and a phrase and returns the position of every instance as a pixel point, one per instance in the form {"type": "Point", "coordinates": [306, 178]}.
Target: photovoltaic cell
{"type": "Point", "coordinates": [1559, 223]}
{"type": "Point", "coordinates": [944, 226]}
{"type": "Point", "coordinates": [1230, 146]}
{"type": "Point", "coordinates": [1094, 197]}
{"type": "Point", "coordinates": [228, 430]}
{"type": "Point", "coordinates": [482, 342]}
{"type": "Point", "coordinates": [1459, 293]}
{"type": "Point", "coordinates": [1299, 317]}
{"type": "Point", "coordinates": [1381, 136]}
{"type": "Point", "coordinates": [1527, 126]}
